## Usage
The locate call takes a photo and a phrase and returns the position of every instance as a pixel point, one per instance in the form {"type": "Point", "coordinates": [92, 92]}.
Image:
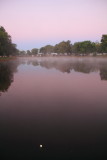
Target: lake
{"type": "Point", "coordinates": [53, 108]}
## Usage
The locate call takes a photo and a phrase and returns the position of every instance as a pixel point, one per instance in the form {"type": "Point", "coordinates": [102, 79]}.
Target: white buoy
{"type": "Point", "coordinates": [40, 145]}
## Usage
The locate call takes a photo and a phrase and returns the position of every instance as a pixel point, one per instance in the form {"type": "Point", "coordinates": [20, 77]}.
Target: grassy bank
{"type": "Point", "coordinates": [7, 58]}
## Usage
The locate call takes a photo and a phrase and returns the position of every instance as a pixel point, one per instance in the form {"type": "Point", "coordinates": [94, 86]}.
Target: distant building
{"type": "Point", "coordinates": [54, 54]}
{"type": "Point", "coordinates": [40, 54]}
{"type": "Point", "coordinates": [104, 53]}
{"type": "Point", "coordinates": [91, 54]}
{"type": "Point", "coordinates": [99, 54]}
{"type": "Point", "coordinates": [65, 54]}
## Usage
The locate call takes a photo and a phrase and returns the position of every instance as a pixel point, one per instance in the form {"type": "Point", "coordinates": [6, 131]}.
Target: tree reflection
{"type": "Point", "coordinates": [67, 66]}
{"type": "Point", "coordinates": [83, 66]}
{"type": "Point", "coordinates": [103, 72]}
{"type": "Point", "coordinates": [8, 68]}
{"type": "Point", "coordinates": [6, 74]}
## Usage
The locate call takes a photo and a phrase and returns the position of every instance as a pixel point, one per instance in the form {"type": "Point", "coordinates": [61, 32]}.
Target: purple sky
{"type": "Point", "coordinates": [35, 23]}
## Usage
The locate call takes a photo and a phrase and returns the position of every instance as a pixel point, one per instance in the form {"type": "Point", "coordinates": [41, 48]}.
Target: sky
{"type": "Point", "coordinates": [36, 23]}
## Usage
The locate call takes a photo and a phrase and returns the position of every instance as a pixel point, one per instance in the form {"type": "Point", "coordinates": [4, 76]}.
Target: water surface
{"type": "Point", "coordinates": [60, 103]}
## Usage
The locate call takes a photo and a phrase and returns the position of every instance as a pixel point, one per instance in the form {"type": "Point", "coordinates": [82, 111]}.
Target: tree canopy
{"type": "Point", "coordinates": [63, 47]}
{"type": "Point", "coordinates": [84, 47]}
{"type": "Point", "coordinates": [47, 49]}
{"type": "Point", "coordinates": [34, 51]}
{"type": "Point", "coordinates": [104, 43]}
{"type": "Point", "coordinates": [6, 46]}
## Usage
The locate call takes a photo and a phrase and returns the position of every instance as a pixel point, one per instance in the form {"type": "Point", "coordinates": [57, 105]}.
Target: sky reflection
{"type": "Point", "coordinates": [47, 105]}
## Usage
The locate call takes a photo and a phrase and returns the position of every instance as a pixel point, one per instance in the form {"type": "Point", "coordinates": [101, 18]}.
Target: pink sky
{"type": "Point", "coordinates": [34, 23]}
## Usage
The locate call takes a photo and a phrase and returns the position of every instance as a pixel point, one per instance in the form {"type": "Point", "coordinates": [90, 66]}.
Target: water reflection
{"type": "Point", "coordinates": [7, 70]}
{"type": "Point", "coordinates": [67, 65]}
{"type": "Point", "coordinates": [54, 105]}
{"type": "Point", "coordinates": [103, 72]}
{"type": "Point", "coordinates": [64, 65]}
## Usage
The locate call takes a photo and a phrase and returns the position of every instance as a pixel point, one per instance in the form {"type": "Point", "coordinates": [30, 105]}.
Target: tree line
{"type": "Point", "coordinates": [63, 48]}
{"type": "Point", "coordinates": [67, 48]}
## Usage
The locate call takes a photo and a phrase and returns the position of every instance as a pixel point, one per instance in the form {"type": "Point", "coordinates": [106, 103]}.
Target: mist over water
{"type": "Point", "coordinates": [57, 102]}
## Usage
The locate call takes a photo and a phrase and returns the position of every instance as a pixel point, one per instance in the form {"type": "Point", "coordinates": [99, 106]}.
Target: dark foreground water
{"type": "Point", "coordinates": [59, 103]}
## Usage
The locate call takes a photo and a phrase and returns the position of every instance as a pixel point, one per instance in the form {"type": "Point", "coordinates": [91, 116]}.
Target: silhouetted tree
{"type": "Point", "coordinates": [6, 46]}
{"type": "Point", "coordinates": [104, 43]}
{"type": "Point", "coordinates": [28, 52]}
{"type": "Point", "coordinates": [84, 47]}
{"type": "Point", "coordinates": [34, 51]}
{"type": "Point", "coordinates": [47, 49]}
{"type": "Point", "coordinates": [63, 47]}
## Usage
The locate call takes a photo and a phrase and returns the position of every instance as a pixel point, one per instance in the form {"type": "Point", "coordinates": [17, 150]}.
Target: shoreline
{"type": "Point", "coordinates": [43, 56]}
{"type": "Point", "coordinates": [7, 58]}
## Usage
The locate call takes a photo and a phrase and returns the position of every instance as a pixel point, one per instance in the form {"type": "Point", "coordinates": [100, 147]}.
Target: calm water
{"type": "Point", "coordinates": [60, 103]}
